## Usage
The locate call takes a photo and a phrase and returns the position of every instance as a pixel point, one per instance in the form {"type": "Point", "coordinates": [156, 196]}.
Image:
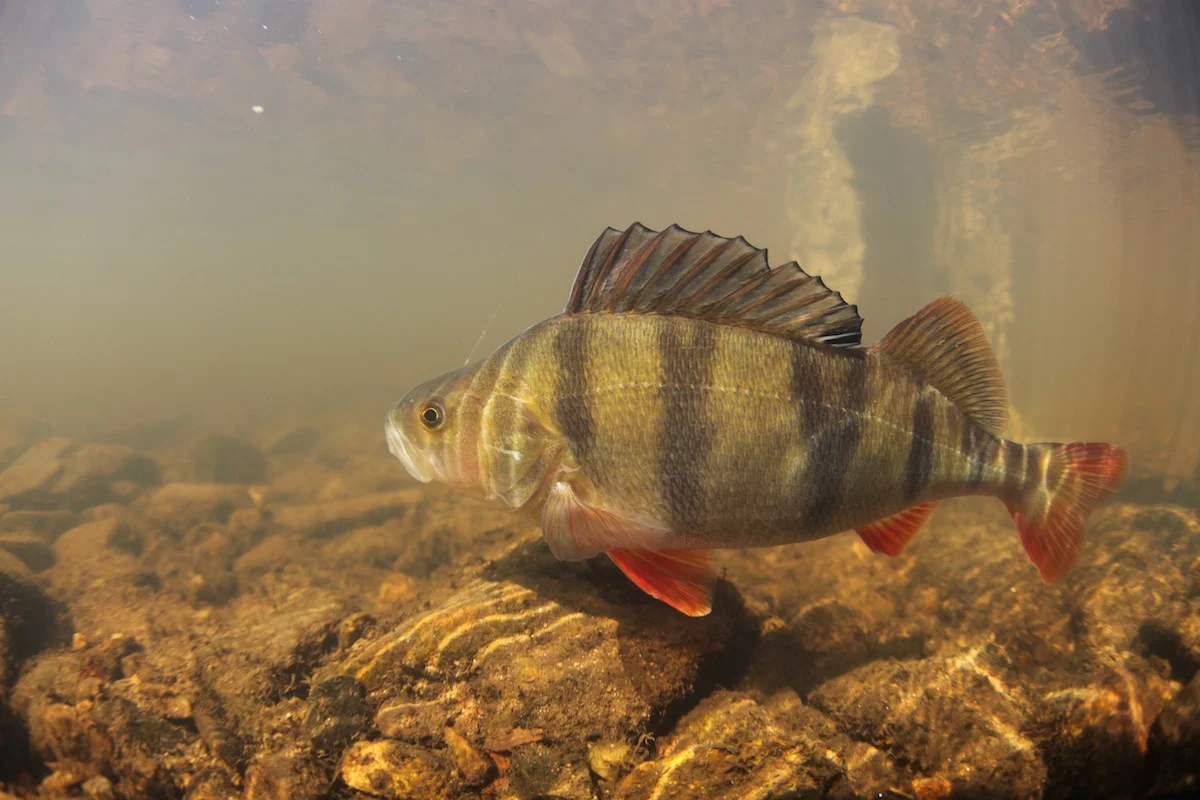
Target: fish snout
{"type": "Point", "coordinates": [401, 446]}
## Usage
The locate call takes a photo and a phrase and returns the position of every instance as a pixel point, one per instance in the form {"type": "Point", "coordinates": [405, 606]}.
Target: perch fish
{"type": "Point", "coordinates": [690, 397]}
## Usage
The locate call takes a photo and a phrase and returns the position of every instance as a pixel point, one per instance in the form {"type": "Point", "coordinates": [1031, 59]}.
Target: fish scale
{"type": "Point", "coordinates": [691, 398]}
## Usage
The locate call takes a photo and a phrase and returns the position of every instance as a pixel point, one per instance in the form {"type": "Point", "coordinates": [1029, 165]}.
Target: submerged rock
{"type": "Point", "coordinates": [53, 474]}
{"type": "Point", "coordinates": [91, 475]}
{"type": "Point", "coordinates": [391, 769]}
{"type": "Point", "coordinates": [733, 746]}
{"type": "Point", "coordinates": [337, 713]}
{"type": "Point", "coordinates": [1094, 738]}
{"type": "Point", "coordinates": [953, 718]}
{"type": "Point", "coordinates": [27, 619]}
{"type": "Point", "coordinates": [285, 774]}
{"type": "Point", "coordinates": [411, 643]}
{"type": "Point", "coordinates": [183, 506]}
{"type": "Point", "coordinates": [505, 660]}
{"type": "Point", "coordinates": [326, 519]}
{"type": "Point", "coordinates": [34, 470]}
{"type": "Point", "coordinates": [1174, 744]}
{"type": "Point", "coordinates": [31, 549]}
{"type": "Point", "coordinates": [47, 524]}
{"type": "Point", "coordinates": [226, 459]}
{"type": "Point", "coordinates": [296, 442]}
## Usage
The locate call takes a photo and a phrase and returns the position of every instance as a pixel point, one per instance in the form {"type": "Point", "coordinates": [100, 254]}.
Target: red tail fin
{"type": "Point", "coordinates": [1051, 516]}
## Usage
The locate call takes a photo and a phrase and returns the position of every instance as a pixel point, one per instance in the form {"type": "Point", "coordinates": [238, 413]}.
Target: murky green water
{"type": "Point", "coordinates": [270, 218]}
{"type": "Point", "coordinates": [416, 169]}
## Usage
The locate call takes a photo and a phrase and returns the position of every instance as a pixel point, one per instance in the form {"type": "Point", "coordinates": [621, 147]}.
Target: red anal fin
{"type": "Point", "coordinates": [683, 579]}
{"type": "Point", "coordinates": [890, 534]}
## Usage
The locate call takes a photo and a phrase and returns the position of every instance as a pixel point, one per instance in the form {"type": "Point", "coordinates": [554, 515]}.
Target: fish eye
{"type": "Point", "coordinates": [432, 415]}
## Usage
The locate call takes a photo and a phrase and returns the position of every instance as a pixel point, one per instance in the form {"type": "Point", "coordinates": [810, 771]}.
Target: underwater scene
{"type": "Point", "coordinates": [551, 400]}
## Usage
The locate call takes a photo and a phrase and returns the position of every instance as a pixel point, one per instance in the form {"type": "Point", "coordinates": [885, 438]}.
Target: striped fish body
{"type": "Point", "coordinates": [691, 397]}
{"type": "Point", "coordinates": [736, 438]}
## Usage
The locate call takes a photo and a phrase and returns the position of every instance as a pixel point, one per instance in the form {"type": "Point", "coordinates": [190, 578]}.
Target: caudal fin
{"type": "Point", "coordinates": [1051, 515]}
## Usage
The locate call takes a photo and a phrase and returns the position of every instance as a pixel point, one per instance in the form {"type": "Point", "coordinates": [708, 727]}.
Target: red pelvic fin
{"type": "Point", "coordinates": [890, 534]}
{"type": "Point", "coordinates": [576, 530]}
{"type": "Point", "coordinates": [1052, 522]}
{"type": "Point", "coordinates": [683, 579]}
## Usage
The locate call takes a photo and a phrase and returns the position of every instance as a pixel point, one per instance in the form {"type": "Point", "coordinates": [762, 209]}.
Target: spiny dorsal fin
{"type": "Point", "coordinates": [944, 345]}
{"type": "Point", "coordinates": [704, 276]}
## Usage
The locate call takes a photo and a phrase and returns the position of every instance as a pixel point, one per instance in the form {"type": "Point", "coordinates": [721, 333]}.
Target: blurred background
{"type": "Point", "coordinates": [268, 209]}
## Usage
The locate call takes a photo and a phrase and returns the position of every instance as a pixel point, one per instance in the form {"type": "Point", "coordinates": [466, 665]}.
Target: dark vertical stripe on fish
{"type": "Point", "coordinates": [1015, 467]}
{"type": "Point", "coordinates": [920, 449]}
{"type": "Point", "coordinates": [1035, 468]}
{"type": "Point", "coordinates": [686, 436]}
{"type": "Point", "coordinates": [833, 439]}
{"type": "Point", "coordinates": [572, 406]}
{"type": "Point", "coordinates": [808, 390]}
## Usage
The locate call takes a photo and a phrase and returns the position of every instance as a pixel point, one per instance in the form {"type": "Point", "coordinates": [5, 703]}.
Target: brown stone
{"type": "Point", "coordinates": [474, 767]}
{"type": "Point", "coordinates": [392, 769]}
{"type": "Point", "coordinates": [35, 469]}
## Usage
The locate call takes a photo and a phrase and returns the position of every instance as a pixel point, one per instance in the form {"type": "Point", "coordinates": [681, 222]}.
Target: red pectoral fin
{"type": "Point", "coordinates": [683, 579]}
{"type": "Point", "coordinates": [890, 534]}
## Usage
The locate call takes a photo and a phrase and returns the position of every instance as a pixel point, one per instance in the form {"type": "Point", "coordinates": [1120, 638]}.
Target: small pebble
{"type": "Point", "coordinates": [99, 788]}
{"type": "Point", "coordinates": [179, 708]}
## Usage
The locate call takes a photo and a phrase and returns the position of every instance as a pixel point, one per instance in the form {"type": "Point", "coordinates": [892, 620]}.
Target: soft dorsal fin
{"type": "Point", "coordinates": [704, 276]}
{"type": "Point", "coordinates": [944, 345]}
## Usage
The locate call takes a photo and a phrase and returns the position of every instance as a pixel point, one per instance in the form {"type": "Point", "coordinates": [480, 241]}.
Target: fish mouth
{"type": "Point", "coordinates": [401, 449]}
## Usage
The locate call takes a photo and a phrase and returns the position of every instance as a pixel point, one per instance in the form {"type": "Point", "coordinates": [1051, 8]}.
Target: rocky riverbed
{"type": "Point", "coordinates": [281, 614]}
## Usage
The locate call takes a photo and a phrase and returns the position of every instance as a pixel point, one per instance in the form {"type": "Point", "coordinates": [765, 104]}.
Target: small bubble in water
{"type": "Point", "coordinates": [256, 109]}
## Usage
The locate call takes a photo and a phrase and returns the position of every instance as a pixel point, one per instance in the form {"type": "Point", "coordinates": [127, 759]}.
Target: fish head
{"type": "Point", "coordinates": [432, 430]}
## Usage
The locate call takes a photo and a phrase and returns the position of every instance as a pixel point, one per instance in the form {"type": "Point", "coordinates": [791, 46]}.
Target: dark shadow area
{"type": "Point", "coordinates": [784, 660]}
{"type": "Point", "coordinates": [1149, 56]}
{"type": "Point", "coordinates": [1173, 747]}
{"type": "Point", "coordinates": [29, 622]}
{"type": "Point", "coordinates": [19, 764]}
{"type": "Point", "coordinates": [1155, 639]}
{"type": "Point", "coordinates": [894, 180]}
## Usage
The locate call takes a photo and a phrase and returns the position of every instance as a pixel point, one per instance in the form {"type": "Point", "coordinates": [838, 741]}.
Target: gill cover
{"type": "Point", "coordinates": [521, 447]}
